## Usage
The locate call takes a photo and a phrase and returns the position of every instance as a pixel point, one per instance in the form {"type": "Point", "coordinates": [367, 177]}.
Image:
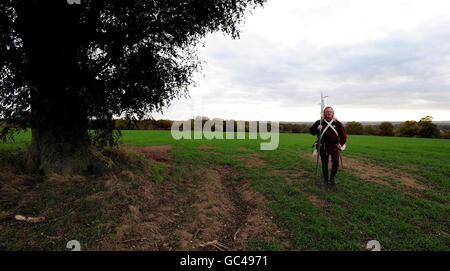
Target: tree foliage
{"type": "Point", "coordinates": [354, 128]}
{"type": "Point", "coordinates": [386, 129]}
{"type": "Point", "coordinates": [408, 128]}
{"type": "Point", "coordinates": [445, 134]}
{"type": "Point", "coordinates": [427, 128]}
{"type": "Point", "coordinates": [370, 130]}
{"type": "Point", "coordinates": [103, 57]}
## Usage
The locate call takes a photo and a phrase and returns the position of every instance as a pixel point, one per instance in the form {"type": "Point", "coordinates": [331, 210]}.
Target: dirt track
{"type": "Point", "coordinates": [372, 172]}
{"type": "Point", "coordinates": [200, 209]}
{"type": "Point", "coordinates": [195, 210]}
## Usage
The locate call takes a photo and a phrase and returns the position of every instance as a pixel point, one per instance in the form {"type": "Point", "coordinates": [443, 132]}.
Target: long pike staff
{"type": "Point", "coordinates": [322, 106]}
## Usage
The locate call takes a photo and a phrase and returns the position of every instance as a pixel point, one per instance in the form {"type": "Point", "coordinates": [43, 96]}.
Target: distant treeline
{"type": "Point", "coordinates": [423, 128]}
{"type": "Point", "coordinates": [151, 124]}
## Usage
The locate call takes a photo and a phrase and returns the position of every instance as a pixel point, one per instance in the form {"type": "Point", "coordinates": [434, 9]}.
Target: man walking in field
{"type": "Point", "coordinates": [333, 138]}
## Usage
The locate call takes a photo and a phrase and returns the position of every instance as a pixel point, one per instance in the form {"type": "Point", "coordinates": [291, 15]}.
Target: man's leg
{"type": "Point", "coordinates": [334, 167]}
{"type": "Point", "coordinates": [324, 156]}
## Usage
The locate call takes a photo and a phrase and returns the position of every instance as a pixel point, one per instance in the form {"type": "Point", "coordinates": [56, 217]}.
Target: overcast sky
{"type": "Point", "coordinates": [376, 60]}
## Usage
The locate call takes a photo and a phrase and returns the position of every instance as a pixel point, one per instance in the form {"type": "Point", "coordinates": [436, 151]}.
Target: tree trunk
{"type": "Point", "coordinates": [60, 141]}
{"type": "Point", "coordinates": [59, 151]}
{"type": "Point", "coordinates": [59, 98]}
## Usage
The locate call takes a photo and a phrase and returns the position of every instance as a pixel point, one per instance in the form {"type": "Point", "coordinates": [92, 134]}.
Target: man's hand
{"type": "Point", "coordinates": [339, 146]}
{"type": "Point", "coordinates": [319, 127]}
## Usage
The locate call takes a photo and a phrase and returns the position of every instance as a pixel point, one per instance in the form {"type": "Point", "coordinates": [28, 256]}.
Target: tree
{"type": "Point", "coordinates": [408, 128]}
{"type": "Point", "coordinates": [445, 134]}
{"type": "Point", "coordinates": [386, 129]}
{"type": "Point", "coordinates": [370, 130]}
{"type": "Point", "coordinates": [300, 128]}
{"type": "Point", "coordinates": [427, 128]}
{"type": "Point", "coordinates": [62, 64]}
{"type": "Point", "coordinates": [354, 128]}
{"type": "Point", "coordinates": [286, 127]}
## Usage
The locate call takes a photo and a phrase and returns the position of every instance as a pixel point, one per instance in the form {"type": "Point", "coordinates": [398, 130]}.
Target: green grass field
{"type": "Point", "coordinates": [360, 208]}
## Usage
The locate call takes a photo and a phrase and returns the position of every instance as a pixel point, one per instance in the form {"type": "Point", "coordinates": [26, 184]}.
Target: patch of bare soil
{"type": "Point", "coordinates": [316, 201]}
{"type": "Point", "coordinates": [12, 188]}
{"type": "Point", "coordinates": [252, 160]}
{"type": "Point", "coordinates": [251, 217]}
{"type": "Point", "coordinates": [371, 172]}
{"type": "Point", "coordinates": [290, 177]}
{"type": "Point", "coordinates": [21, 189]}
{"type": "Point", "coordinates": [206, 147]}
{"type": "Point", "coordinates": [157, 153]}
{"type": "Point", "coordinates": [199, 210]}
{"type": "Point", "coordinates": [143, 224]}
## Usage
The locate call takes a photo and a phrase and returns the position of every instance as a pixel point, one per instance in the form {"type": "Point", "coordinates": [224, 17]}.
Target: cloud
{"type": "Point", "coordinates": [386, 59]}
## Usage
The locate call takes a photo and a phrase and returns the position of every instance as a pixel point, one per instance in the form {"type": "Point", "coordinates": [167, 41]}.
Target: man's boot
{"type": "Point", "coordinates": [325, 179]}
{"type": "Point", "coordinates": [333, 180]}
{"type": "Point", "coordinates": [334, 168]}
